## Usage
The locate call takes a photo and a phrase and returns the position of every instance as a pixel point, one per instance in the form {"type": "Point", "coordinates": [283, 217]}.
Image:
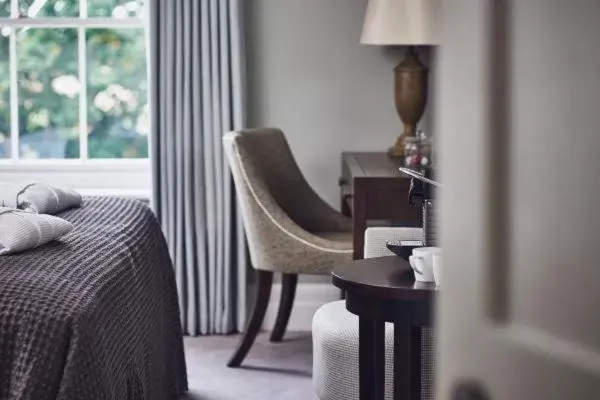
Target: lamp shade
{"type": "Point", "coordinates": [399, 22]}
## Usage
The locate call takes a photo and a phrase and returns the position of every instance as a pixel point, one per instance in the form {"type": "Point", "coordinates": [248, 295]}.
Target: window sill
{"type": "Point", "coordinates": [143, 195]}
{"type": "Point", "coordinates": [131, 178]}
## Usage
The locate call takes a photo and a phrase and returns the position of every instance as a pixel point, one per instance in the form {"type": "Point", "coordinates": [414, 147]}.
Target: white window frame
{"type": "Point", "coordinates": [129, 177]}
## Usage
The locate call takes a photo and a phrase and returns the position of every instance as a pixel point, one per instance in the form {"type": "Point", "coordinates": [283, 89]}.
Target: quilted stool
{"type": "Point", "coordinates": [335, 355]}
{"type": "Point", "coordinates": [335, 337]}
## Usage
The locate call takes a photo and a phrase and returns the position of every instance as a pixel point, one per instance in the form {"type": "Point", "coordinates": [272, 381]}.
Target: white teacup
{"type": "Point", "coordinates": [437, 268]}
{"type": "Point", "coordinates": [421, 262]}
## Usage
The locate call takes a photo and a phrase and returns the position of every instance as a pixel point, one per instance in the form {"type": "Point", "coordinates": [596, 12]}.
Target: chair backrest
{"type": "Point", "coordinates": [376, 239]}
{"type": "Point", "coordinates": [270, 188]}
{"type": "Point", "coordinates": [265, 157]}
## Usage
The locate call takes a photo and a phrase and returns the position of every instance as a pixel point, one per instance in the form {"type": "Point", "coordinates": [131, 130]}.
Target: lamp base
{"type": "Point", "coordinates": [411, 78]}
{"type": "Point", "coordinates": [397, 150]}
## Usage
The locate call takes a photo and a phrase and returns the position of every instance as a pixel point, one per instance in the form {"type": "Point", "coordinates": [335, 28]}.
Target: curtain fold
{"type": "Point", "coordinates": [197, 79]}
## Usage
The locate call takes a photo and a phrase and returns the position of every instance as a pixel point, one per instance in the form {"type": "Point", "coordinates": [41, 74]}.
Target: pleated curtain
{"type": "Point", "coordinates": [197, 80]}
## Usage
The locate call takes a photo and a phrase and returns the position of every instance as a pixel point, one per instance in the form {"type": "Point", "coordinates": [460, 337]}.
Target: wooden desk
{"type": "Point", "coordinates": [372, 188]}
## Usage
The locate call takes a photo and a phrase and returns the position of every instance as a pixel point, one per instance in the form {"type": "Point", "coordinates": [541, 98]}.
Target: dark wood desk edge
{"type": "Point", "coordinates": [350, 159]}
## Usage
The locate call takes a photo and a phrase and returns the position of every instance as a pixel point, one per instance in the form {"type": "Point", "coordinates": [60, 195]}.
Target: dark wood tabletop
{"type": "Point", "coordinates": [385, 277]}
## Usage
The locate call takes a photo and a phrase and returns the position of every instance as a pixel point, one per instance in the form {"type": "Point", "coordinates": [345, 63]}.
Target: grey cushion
{"type": "Point", "coordinates": [38, 197]}
{"type": "Point", "coordinates": [21, 230]}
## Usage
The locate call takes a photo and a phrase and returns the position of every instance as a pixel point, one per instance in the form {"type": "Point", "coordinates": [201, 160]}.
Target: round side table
{"type": "Point", "coordinates": [380, 290]}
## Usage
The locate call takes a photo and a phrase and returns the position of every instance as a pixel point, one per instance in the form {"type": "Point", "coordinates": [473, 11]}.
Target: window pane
{"type": "Point", "coordinates": [4, 8]}
{"type": "Point", "coordinates": [117, 93]}
{"type": "Point", "coordinates": [4, 98]}
{"type": "Point", "coordinates": [48, 93]}
{"type": "Point", "coordinates": [116, 8]}
{"type": "Point", "coordinates": [49, 8]}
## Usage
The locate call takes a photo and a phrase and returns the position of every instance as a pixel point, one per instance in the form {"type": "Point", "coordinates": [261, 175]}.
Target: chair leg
{"type": "Point", "coordinates": [265, 279]}
{"type": "Point", "coordinates": [288, 292]}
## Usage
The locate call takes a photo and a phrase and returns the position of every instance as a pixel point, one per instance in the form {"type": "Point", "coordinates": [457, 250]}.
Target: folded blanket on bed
{"type": "Point", "coordinates": [22, 230]}
{"type": "Point", "coordinates": [38, 197]}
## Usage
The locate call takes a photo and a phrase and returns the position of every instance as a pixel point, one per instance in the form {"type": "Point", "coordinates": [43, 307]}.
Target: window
{"type": "Point", "coordinates": [73, 85]}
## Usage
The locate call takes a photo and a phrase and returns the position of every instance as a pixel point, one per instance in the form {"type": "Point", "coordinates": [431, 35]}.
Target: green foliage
{"type": "Point", "coordinates": [4, 90]}
{"type": "Point", "coordinates": [53, 8]}
{"type": "Point", "coordinates": [49, 87]}
{"type": "Point", "coordinates": [4, 8]}
{"type": "Point", "coordinates": [43, 56]}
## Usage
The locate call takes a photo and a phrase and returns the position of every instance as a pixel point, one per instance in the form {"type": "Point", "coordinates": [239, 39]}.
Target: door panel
{"type": "Point", "coordinates": [519, 114]}
{"type": "Point", "coordinates": [555, 126]}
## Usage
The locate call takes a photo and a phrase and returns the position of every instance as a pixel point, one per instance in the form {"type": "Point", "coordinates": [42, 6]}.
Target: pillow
{"type": "Point", "coordinates": [38, 197]}
{"type": "Point", "coordinates": [21, 230]}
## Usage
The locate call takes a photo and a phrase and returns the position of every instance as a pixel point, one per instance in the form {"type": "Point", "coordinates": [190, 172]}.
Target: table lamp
{"type": "Point", "coordinates": [403, 22]}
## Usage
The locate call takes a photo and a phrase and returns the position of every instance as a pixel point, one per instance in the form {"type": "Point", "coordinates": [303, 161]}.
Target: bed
{"type": "Point", "coordinates": [94, 315]}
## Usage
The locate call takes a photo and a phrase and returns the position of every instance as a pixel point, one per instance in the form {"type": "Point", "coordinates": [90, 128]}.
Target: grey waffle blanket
{"type": "Point", "coordinates": [95, 315]}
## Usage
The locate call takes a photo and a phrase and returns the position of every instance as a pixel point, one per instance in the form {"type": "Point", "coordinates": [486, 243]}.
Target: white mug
{"type": "Point", "coordinates": [421, 262]}
{"type": "Point", "coordinates": [437, 268]}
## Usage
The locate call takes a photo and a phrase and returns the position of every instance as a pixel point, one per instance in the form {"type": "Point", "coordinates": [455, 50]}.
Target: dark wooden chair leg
{"type": "Point", "coordinates": [265, 279]}
{"type": "Point", "coordinates": [288, 292]}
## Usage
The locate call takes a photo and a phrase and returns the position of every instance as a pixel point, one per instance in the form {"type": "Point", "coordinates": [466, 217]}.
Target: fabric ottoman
{"type": "Point", "coordinates": [335, 355]}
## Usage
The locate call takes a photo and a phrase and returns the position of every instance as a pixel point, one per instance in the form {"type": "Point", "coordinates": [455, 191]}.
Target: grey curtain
{"type": "Point", "coordinates": [197, 81]}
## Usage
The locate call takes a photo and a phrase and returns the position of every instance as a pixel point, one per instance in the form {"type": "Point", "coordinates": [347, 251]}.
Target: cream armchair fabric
{"type": "Point", "coordinates": [289, 227]}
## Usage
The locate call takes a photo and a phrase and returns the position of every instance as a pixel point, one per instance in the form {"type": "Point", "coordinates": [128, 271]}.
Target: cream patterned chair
{"type": "Point", "coordinates": [290, 229]}
{"type": "Point", "coordinates": [335, 336]}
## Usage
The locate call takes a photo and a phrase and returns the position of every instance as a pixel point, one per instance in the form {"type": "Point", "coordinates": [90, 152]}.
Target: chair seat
{"type": "Point", "coordinates": [342, 237]}
{"type": "Point", "coordinates": [335, 355]}
{"type": "Point", "coordinates": [321, 263]}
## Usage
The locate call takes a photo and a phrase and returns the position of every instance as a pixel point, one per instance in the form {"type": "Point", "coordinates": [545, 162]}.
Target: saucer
{"type": "Point", "coordinates": [404, 248]}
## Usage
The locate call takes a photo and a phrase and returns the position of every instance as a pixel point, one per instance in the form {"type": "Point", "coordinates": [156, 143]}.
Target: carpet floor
{"type": "Point", "coordinates": [279, 371]}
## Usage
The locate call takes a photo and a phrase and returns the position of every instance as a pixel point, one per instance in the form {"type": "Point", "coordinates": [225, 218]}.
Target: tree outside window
{"type": "Point", "coordinates": [51, 116]}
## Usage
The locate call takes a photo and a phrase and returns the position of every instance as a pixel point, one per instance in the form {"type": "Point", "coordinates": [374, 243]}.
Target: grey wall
{"type": "Point", "coordinates": [308, 74]}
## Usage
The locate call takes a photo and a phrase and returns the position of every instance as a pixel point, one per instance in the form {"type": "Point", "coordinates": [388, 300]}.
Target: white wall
{"type": "Point", "coordinates": [309, 75]}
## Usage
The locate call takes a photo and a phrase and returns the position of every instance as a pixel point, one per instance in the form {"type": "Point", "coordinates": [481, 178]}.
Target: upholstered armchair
{"type": "Point", "coordinates": [290, 229]}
